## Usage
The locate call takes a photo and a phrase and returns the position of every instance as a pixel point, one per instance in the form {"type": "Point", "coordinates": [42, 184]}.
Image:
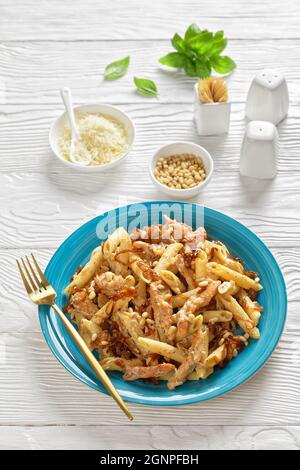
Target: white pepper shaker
{"type": "Point", "coordinates": [268, 98]}
{"type": "Point", "coordinates": [259, 150]}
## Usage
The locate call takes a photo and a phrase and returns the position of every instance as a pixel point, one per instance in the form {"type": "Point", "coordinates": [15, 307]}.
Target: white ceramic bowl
{"type": "Point", "coordinates": [105, 109]}
{"type": "Point", "coordinates": [179, 148]}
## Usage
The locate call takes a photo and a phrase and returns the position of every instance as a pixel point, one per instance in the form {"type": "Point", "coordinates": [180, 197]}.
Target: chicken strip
{"type": "Point", "coordinates": [195, 355]}
{"type": "Point", "coordinates": [81, 305]}
{"type": "Point", "coordinates": [192, 305]}
{"type": "Point", "coordinates": [178, 230]}
{"type": "Point", "coordinates": [160, 296]}
{"type": "Point", "coordinates": [186, 272]}
{"type": "Point", "coordinates": [109, 283]}
{"type": "Point", "coordinates": [193, 239]}
{"type": "Point", "coordinates": [131, 330]}
{"type": "Point", "coordinates": [152, 372]}
{"type": "Point", "coordinates": [151, 252]}
{"type": "Point", "coordinates": [156, 233]}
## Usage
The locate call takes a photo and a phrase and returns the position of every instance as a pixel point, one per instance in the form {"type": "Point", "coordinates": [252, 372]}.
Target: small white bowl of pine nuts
{"type": "Point", "coordinates": [181, 169]}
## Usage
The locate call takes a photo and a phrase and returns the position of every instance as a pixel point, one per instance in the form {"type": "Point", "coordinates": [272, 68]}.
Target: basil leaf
{"type": "Point", "coordinates": [203, 68]}
{"type": "Point", "coordinates": [145, 87]}
{"type": "Point", "coordinates": [222, 64]}
{"type": "Point", "coordinates": [190, 67]}
{"type": "Point", "coordinates": [173, 59]}
{"type": "Point", "coordinates": [191, 54]}
{"type": "Point", "coordinates": [117, 69]}
{"type": "Point", "coordinates": [219, 35]}
{"type": "Point", "coordinates": [191, 31]}
{"type": "Point", "coordinates": [202, 42]}
{"type": "Point", "coordinates": [178, 43]}
{"type": "Point", "coordinates": [218, 46]}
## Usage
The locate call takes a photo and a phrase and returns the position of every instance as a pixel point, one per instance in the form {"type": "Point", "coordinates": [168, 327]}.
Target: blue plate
{"type": "Point", "coordinates": [241, 242]}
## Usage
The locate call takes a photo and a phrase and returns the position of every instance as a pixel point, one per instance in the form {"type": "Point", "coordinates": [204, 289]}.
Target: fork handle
{"type": "Point", "coordinates": [92, 361]}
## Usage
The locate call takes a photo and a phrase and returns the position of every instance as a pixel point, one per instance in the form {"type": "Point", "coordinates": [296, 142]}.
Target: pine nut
{"type": "Point", "coordinates": [180, 171]}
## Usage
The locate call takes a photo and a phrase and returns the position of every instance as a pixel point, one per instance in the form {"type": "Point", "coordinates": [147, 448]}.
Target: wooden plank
{"type": "Point", "coordinates": [40, 210]}
{"type": "Point", "coordinates": [150, 437]}
{"type": "Point", "coordinates": [35, 389]}
{"type": "Point", "coordinates": [24, 145]}
{"type": "Point", "coordinates": [46, 45]}
{"type": "Point", "coordinates": [71, 20]}
{"type": "Point", "coordinates": [20, 314]}
{"type": "Point", "coordinates": [33, 72]}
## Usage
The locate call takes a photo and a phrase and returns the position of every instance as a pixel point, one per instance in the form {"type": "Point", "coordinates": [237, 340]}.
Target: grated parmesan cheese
{"type": "Point", "coordinates": [104, 138]}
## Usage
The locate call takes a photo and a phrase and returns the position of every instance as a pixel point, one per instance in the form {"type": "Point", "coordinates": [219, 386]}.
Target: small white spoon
{"type": "Point", "coordinates": [67, 99]}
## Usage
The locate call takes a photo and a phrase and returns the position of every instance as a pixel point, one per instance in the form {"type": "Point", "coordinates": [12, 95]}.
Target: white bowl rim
{"type": "Point", "coordinates": [95, 168]}
{"type": "Point", "coordinates": [199, 186]}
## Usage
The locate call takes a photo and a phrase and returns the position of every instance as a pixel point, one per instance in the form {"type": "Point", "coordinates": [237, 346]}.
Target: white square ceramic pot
{"type": "Point", "coordinates": [259, 150]}
{"type": "Point", "coordinates": [268, 98]}
{"type": "Point", "coordinates": [211, 118]}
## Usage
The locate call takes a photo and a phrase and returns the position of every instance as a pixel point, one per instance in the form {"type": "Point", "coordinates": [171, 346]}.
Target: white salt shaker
{"type": "Point", "coordinates": [211, 118]}
{"type": "Point", "coordinates": [268, 98]}
{"type": "Point", "coordinates": [259, 150]}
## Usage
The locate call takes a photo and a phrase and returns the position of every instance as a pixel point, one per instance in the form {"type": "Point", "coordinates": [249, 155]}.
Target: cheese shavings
{"type": "Point", "coordinates": [102, 138]}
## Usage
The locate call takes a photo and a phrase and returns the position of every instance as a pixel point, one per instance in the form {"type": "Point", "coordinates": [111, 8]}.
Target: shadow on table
{"type": "Point", "coordinates": [75, 181]}
{"type": "Point", "coordinates": [256, 190]}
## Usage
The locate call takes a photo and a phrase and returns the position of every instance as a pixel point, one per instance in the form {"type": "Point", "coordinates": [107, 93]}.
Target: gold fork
{"type": "Point", "coordinates": [41, 292]}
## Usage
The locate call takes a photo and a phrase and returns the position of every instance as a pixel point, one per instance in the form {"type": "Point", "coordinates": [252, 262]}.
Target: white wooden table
{"type": "Point", "coordinates": [46, 45]}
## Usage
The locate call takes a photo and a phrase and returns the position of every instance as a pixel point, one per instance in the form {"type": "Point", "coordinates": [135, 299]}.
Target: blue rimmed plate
{"type": "Point", "coordinates": [241, 242]}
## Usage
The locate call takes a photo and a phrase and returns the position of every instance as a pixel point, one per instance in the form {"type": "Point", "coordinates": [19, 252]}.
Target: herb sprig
{"type": "Point", "coordinates": [145, 87]}
{"type": "Point", "coordinates": [116, 69]}
{"type": "Point", "coordinates": [199, 52]}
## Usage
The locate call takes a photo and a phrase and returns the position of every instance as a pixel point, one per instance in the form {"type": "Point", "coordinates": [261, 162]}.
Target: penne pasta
{"type": "Point", "coordinates": [103, 313]}
{"type": "Point", "coordinates": [119, 363]}
{"type": "Point", "coordinates": [228, 287]}
{"type": "Point", "coordinates": [94, 337]}
{"type": "Point", "coordinates": [164, 308]}
{"type": "Point", "coordinates": [164, 349]}
{"type": "Point", "coordinates": [216, 316]}
{"type": "Point", "coordinates": [221, 254]}
{"type": "Point", "coordinates": [230, 275]}
{"type": "Point", "coordinates": [142, 269]}
{"type": "Point", "coordinates": [200, 265]}
{"type": "Point", "coordinates": [175, 284]}
{"type": "Point", "coordinates": [252, 309]}
{"type": "Point", "coordinates": [87, 272]}
{"type": "Point", "coordinates": [116, 251]}
{"type": "Point", "coordinates": [239, 314]}
{"type": "Point", "coordinates": [201, 373]}
{"type": "Point", "coordinates": [168, 257]}
{"type": "Point", "coordinates": [196, 324]}
{"type": "Point", "coordinates": [179, 300]}
{"type": "Point", "coordinates": [217, 356]}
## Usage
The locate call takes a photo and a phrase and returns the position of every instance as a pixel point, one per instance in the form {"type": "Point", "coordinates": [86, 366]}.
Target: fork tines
{"type": "Point", "coordinates": [32, 281]}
